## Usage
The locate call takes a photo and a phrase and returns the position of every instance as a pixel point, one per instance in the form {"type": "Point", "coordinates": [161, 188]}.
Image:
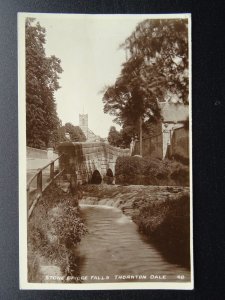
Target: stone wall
{"type": "Point", "coordinates": [152, 147]}
{"type": "Point", "coordinates": [179, 148]}
{"type": "Point", "coordinates": [84, 158]}
{"type": "Point", "coordinates": [33, 153]}
{"type": "Point", "coordinates": [167, 130]}
{"type": "Point", "coordinates": [36, 153]}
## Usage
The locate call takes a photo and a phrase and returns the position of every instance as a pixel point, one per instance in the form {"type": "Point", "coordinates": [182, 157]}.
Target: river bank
{"type": "Point", "coordinates": [56, 225]}
{"type": "Point", "coordinates": [161, 212]}
{"type": "Point", "coordinates": [53, 229]}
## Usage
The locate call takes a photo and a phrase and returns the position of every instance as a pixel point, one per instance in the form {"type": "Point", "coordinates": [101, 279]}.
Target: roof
{"type": "Point", "coordinates": [174, 112]}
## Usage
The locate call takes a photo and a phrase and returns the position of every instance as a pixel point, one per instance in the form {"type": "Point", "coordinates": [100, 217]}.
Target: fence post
{"type": "Point", "coordinates": [28, 198]}
{"type": "Point", "coordinates": [141, 137]}
{"type": "Point", "coordinates": [39, 181]}
{"type": "Point", "coordinates": [172, 137]}
{"type": "Point", "coordinates": [52, 170]}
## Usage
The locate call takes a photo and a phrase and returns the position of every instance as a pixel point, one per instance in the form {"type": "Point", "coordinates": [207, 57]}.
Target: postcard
{"type": "Point", "coordinates": [105, 151]}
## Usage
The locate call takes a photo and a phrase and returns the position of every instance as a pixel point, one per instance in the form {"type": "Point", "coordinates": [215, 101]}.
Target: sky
{"type": "Point", "coordinates": [88, 46]}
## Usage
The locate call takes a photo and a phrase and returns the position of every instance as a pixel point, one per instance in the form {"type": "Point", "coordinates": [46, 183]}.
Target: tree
{"type": "Point", "coordinates": [163, 44]}
{"type": "Point", "coordinates": [76, 134]}
{"type": "Point", "coordinates": [114, 137]}
{"type": "Point", "coordinates": [157, 69]}
{"type": "Point", "coordinates": [42, 75]}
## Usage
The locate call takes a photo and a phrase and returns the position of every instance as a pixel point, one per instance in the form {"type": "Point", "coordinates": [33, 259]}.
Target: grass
{"type": "Point", "coordinates": [54, 228]}
{"type": "Point", "coordinates": [167, 223]}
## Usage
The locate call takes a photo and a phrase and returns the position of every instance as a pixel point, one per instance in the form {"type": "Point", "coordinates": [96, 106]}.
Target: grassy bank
{"type": "Point", "coordinates": [53, 229]}
{"type": "Point", "coordinates": [167, 223]}
{"type": "Point", "coordinates": [144, 171]}
{"type": "Point", "coordinates": [161, 212]}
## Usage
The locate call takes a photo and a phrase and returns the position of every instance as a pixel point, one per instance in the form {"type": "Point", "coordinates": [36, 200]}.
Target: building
{"type": "Point", "coordinates": [174, 116]}
{"type": "Point", "coordinates": [83, 124]}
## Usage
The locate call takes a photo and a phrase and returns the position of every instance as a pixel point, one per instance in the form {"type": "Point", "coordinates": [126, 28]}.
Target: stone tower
{"type": "Point", "coordinates": [83, 124]}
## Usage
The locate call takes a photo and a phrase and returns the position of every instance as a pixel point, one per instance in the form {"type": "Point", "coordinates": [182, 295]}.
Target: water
{"type": "Point", "coordinates": [114, 250]}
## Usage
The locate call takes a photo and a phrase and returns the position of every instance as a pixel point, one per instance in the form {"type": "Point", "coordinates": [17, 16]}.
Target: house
{"type": "Point", "coordinates": [174, 116]}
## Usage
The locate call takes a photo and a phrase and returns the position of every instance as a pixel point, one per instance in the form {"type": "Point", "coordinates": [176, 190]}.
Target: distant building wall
{"type": "Point", "coordinates": [152, 147]}
{"type": "Point", "coordinates": [179, 148]}
{"type": "Point", "coordinates": [92, 137]}
{"type": "Point", "coordinates": [167, 131]}
{"type": "Point", "coordinates": [33, 153]}
{"type": "Point", "coordinates": [36, 153]}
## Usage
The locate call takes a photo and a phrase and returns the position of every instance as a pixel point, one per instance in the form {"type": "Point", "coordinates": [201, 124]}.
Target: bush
{"type": "Point", "coordinates": [138, 170]}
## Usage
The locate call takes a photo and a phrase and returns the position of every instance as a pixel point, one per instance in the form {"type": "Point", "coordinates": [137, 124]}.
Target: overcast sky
{"type": "Point", "coordinates": [88, 46]}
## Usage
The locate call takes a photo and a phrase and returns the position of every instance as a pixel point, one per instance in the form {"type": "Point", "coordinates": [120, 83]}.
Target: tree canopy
{"type": "Point", "coordinates": [76, 134]}
{"type": "Point", "coordinates": [156, 70]}
{"type": "Point", "coordinates": [42, 75]}
{"type": "Point", "coordinates": [114, 137]}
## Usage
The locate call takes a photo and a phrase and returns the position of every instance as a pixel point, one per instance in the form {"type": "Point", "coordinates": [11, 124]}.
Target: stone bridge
{"type": "Point", "coordinates": [91, 162]}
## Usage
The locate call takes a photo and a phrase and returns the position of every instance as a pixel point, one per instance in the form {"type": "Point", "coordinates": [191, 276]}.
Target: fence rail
{"type": "Point", "coordinates": [40, 180]}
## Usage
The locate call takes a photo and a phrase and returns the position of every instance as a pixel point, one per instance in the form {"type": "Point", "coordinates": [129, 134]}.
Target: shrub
{"type": "Point", "coordinates": [138, 170]}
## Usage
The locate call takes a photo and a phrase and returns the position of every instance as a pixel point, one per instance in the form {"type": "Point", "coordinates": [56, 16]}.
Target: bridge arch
{"type": "Point", "coordinates": [109, 178]}
{"type": "Point", "coordinates": [109, 172]}
{"type": "Point", "coordinates": [96, 177]}
{"type": "Point", "coordinates": [93, 161]}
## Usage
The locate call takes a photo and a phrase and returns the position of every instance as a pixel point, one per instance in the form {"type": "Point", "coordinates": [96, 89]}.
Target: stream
{"type": "Point", "coordinates": [114, 250]}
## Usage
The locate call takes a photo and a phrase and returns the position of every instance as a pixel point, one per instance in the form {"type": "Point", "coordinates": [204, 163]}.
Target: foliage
{"type": "Point", "coordinates": [176, 207]}
{"type": "Point", "coordinates": [162, 219]}
{"type": "Point", "coordinates": [128, 132]}
{"type": "Point", "coordinates": [42, 75]}
{"type": "Point", "coordinates": [163, 46]}
{"type": "Point", "coordinates": [114, 137]}
{"type": "Point", "coordinates": [76, 134]}
{"type": "Point", "coordinates": [54, 227]}
{"type": "Point", "coordinates": [138, 170]}
{"type": "Point", "coordinates": [157, 69]}
{"type": "Point", "coordinates": [123, 137]}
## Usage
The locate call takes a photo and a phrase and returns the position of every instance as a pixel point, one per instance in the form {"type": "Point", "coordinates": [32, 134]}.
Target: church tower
{"type": "Point", "coordinates": [83, 124]}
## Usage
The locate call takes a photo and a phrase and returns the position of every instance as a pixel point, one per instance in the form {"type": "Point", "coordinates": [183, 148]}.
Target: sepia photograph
{"type": "Point", "coordinates": [105, 151]}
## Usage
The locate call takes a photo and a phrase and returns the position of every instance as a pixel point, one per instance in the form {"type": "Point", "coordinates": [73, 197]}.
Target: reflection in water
{"type": "Point", "coordinates": [113, 246]}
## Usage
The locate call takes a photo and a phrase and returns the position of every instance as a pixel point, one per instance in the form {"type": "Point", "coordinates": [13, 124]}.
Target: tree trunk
{"type": "Point", "coordinates": [140, 136]}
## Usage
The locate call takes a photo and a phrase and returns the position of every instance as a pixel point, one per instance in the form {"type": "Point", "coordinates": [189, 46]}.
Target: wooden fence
{"type": "Point", "coordinates": [40, 180]}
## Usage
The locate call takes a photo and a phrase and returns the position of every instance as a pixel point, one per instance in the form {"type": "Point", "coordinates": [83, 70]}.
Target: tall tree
{"type": "Point", "coordinates": [157, 69]}
{"type": "Point", "coordinates": [163, 44]}
{"type": "Point", "coordinates": [42, 75]}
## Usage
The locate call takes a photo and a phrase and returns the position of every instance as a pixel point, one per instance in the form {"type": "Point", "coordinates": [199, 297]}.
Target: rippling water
{"type": "Point", "coordinates": [114, 247]}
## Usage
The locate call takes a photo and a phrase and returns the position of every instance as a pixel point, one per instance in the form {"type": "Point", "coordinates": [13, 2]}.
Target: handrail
{"type": "Point", "coordinates": [41, 169]}
{"type": "Point", "coordinates": [38, 196]}
{"type": "Point", "coordinates": [39, 181]}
